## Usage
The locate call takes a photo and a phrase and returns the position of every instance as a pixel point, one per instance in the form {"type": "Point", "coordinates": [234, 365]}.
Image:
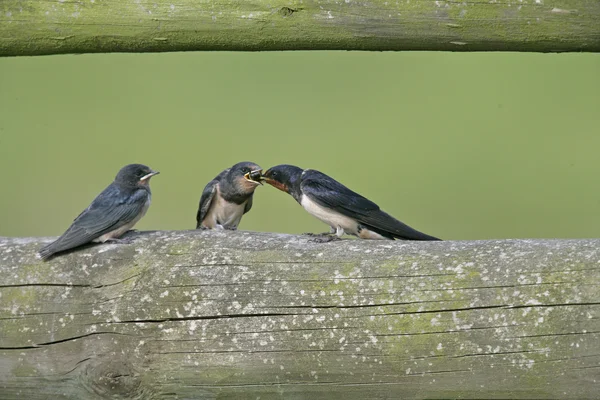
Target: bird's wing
{"type": "Point", "coordinates": [208, 194]}
{"type": "Point", "coordinates": [328, 192]}
{"type": "Point", "coordinates": [205, 201]}
{"type": "Point", "coordinates": [109, 211]}
{"type": "Point", "coordinates": [248, 205]}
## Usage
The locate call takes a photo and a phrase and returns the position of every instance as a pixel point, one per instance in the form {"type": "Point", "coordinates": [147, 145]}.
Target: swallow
{"type": "Point", "coordinates": [112, 213]}
{"type": "Point", "coordinates": [228, 197]}
{"type": "Point", "coordinates": [344, 210]}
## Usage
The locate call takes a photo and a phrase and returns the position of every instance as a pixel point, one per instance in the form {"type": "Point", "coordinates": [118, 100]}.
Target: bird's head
{"type": "Point", "coordinates": [246, 175]}
{"type": "Point", "coordinates": [282, 177]}
{"type": "Point", "coordinates": [135, 175]}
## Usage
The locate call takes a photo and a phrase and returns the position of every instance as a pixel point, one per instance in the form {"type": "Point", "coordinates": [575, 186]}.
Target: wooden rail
{"type": "Point", "coordinates": [241, 315]}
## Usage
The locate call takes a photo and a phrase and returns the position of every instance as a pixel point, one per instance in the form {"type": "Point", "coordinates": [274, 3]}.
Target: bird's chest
{"type": "Point", "coordinates": [144, 208]}
{"type": "Point", "coordinates": [329, 216]}
{"type": "Point", "coordinates": [225, 213]}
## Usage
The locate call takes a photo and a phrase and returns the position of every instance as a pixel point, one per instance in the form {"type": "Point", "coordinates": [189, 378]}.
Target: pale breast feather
{"type": "Point", "coordinates": [223, 212]}
{"type": "Point", "coordinates": [328, 216]}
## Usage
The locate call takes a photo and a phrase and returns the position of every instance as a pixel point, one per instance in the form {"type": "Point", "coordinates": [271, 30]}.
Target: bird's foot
{"type": "Point", "coordinates": [317, 234]}
{"type": "Point", "coordinates": [230, 228]}
{"type": "Point", "coordinates": [129, 233]}
{"type": "Point", "coordinates": [120, 241]}
{"type": "Point", "coordinates": [325, 237]}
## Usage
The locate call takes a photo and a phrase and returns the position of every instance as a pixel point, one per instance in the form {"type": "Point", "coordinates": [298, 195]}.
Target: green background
{"type": "Point", "coordinates": [460, 146]}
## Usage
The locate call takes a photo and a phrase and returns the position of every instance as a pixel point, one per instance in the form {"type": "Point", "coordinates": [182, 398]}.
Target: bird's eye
{"type": "Point", "coordinates": [245, 170]}
{"type": "Point", "coordinates": [275, 174]}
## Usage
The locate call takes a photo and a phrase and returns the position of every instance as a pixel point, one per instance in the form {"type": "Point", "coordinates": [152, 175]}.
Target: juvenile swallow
{"type": "Point", "coordinates": [228, 197]}
{"type": "Point", "coordinates": [342, 209]}
{"type": "Point", "coordinates": [112, 213]}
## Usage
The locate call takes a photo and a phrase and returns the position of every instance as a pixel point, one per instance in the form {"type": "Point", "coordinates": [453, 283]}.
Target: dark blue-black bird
{"type": "Point", "coordinates": [112, 213]}
{"type": "Point", "coordinates": [228, 197]}
{"type": "Point", "coordinates": [342, 209]}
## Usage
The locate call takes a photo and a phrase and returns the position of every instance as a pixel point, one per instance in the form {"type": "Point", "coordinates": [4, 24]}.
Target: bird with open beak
{"type": "Point", "coordinates": [342, 209]}
{"type": "Point", "coordinates": [228, 197]}
{"type": "Point", "coordinates": [112, 213]}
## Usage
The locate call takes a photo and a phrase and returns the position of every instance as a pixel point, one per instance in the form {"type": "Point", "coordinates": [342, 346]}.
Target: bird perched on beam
{"type": "Point", "coordinates": [342, 209]}
{"type": "Point", "coordinates": [112, 213]}
{"type": "Point", "coordinates": [228, 197]}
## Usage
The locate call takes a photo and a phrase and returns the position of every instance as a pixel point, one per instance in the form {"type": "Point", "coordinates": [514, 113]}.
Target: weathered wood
{"type": "Point", "coordinates": [35, 27]}
{"type": "Point", "coordinates": [240, 315]}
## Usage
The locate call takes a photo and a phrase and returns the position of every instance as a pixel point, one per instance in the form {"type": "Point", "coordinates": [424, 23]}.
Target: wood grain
{"type": "Point", "coordinates": [243, 315]}
{"type": "Point", "coordinates": [35, 27]}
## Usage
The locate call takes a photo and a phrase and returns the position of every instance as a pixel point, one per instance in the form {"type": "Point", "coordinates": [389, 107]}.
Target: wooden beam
{"type": "Point", "coordinates": [35, 27]}
{"type": "Point", "coordinates": [240, 315]}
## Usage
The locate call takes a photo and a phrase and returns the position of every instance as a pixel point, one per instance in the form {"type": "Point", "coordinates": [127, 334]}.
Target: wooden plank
{"type": "Point", "coordinates": [241, 315]}
{"type": "Point", "coordinates": [34, 27]}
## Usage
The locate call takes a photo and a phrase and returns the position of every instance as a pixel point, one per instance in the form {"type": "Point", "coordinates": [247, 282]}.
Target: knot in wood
{"type": "Point", "coordinates": [287, 11]}
{"type": "Point", "coordinates": [113, 378]}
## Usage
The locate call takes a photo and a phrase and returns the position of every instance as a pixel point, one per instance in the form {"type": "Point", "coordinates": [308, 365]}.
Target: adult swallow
{"type": "Point", "coordinates": [228, 197]}
{"type": "Point", "coordinates": [342, 209]}
{"type": "Point", "coordinates": [112, 213]}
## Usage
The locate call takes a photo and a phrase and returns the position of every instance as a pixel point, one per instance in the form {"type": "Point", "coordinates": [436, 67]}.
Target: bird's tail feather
{"type": "Point", "coordinates": [390, 227]}
{"type": "Point", "coordinates": [47, 251]}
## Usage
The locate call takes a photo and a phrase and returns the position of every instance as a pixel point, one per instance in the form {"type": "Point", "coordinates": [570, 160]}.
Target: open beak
{"type": "Point", "coordinates": [255, 176]}
{"type": "Point", "coordinates": [148, 176]}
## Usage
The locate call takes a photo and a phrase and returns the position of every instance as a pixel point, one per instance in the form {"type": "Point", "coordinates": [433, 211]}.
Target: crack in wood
{"type": "Point", "coordinates": [503, 306]}
{"type": "Point", "coordinates": [282, 351]}
{"type": "Point", "coordinates": [442, 310]}
{"type": "Point", "coordinates": [486, 354]}
{"type": "Point", "coordinates": [500, 286]}
{"type": "Point", "coordinates": [439, 332]}
{"type": "Point", "coordinates": [324, 307]}
{"type": "Point", "coordinates": [591, 303]}
{"type": "Point", "coordinates": [100, 286]}
{"type": "Point", "coordinates": [77, 365]}
{"type": "Point", "coordinates": [40, 345]}
{"type": "Point", "coordinates": [70, 285]}
{"type": "Point", "coordinates": [351, 279]}
{"type": "Point", "coordinates": [450, 371]}
{"type": "Point", "coordinates": [204, 317]}
{"type": "Point", "coordinates": [583, 357]}
{"type": "Point", "coordinates": [553, 334]}
{"type": "Point", "coordinates": [35, 314]}
{"type": "Point", "coordinates": [274, 262]}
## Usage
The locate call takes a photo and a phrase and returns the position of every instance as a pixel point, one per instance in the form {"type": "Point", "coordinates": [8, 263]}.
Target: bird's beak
{"type": "Point", "coordinates": [275, 183]}
{"type": "Point", "coordinates": [148, 176]}
{"type": "Point", "coordinates": [255, 176]}
{"type": "Point", "coordinates": [266, 178]}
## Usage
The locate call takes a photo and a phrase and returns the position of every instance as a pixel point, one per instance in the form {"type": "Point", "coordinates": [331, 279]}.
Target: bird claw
{"type": "Point", "coordinates": [323, 238]}
{"type": "Point", "coordinates": [230, 228]}
{"type": "Point", "coordinates": [120, 241]}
